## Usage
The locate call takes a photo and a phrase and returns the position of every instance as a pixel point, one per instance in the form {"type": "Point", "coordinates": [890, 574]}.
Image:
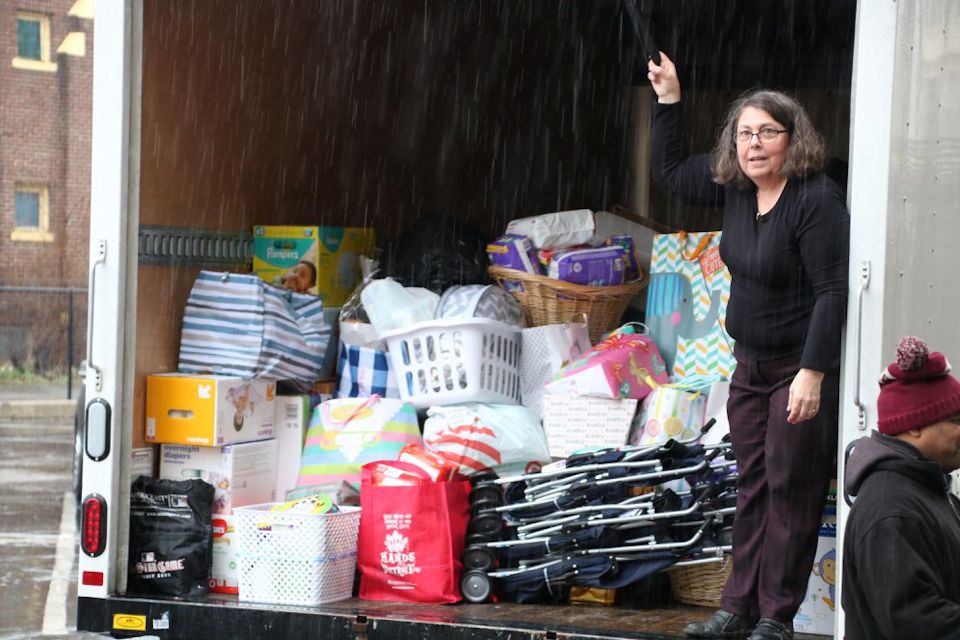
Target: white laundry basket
{"type": "Point", "coordinates": [456, 360]}
{"type": "Point", "coordinates": [296, 558]}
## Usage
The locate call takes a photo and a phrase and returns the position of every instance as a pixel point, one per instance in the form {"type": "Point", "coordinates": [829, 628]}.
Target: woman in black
{"type": "Point", "coordinates": [785, 241]}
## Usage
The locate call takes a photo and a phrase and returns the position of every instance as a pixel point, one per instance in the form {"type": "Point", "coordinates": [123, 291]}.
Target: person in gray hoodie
{"type": "Point", "coordinates": [901, 548]}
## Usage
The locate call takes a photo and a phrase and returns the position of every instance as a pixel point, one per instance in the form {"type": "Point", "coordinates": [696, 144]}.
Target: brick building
{"type": "Point", "coordinates": [46, 72]}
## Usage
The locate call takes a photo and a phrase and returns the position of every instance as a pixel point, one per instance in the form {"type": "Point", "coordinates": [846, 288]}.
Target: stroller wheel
{"type": "Point", "coordinates": [478, 558]}
{"type": "Point", "coordinates": [483, 476]}
{"type": "Point", "coordinates": [476, 586]}
{"type": "Point", "coordinates": [478, 538]}
{"type": "Point", "coordinates": [487, 493]}
{"type": "Point", "coordinates": [485, 504]}
{"type": "Point", "coordinates": [488, 524]}
{"type": "Point", "coordinates": [726, 535]}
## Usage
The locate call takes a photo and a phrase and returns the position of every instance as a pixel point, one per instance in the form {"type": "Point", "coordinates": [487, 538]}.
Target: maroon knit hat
{"type": "Point", "coordinates": [916, 390]}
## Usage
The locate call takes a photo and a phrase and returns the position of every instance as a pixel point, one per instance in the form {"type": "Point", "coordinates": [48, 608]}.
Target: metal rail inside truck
{"type": "Point", "coordinates": [211, 116]}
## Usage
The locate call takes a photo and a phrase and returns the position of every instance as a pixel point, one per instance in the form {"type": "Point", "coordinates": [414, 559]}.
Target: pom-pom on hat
{"type": "Point", "coordinates": [916, 390]}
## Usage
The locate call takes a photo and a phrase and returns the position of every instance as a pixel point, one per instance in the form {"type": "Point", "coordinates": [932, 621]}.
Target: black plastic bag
{"type": "Point", "coordinates": [437, 252]}
{"type": "Point", "coordinates": [171, 537]}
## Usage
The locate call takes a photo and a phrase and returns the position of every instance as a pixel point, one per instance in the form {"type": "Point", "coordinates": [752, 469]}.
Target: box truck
{"type": "Point", "coordinates": [211, 117]}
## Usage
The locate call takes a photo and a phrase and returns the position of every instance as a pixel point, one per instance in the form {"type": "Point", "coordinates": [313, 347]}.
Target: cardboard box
{"type": "Point", "coordinates": [324, 390]}
{"type": "Point", "coordinates": [290, 426]}
{"type": "Point", "coordinates": [818, 611]}
{"type": "Point", "coordinates": [241, 474]}
{"type": "Point", "coordinates": [320, 260]}
{"type": "Point", "coordinates": [208, 410]}
{"type": "Point", "coordinates": [224, 572]}
{"type": "Point", "coordinates": [572, 423]}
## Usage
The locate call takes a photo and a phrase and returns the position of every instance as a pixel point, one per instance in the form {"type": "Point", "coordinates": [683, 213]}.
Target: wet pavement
{"type": "Point", "coordinates": [38, 390]}
{"type": "Point", "coordinates": [38, 540]}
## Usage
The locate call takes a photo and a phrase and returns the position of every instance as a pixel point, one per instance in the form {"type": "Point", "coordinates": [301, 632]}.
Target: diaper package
{"type": "Point", "coordinates": [600, 267]}
{"type": "Point", "coordinates": [632, 262]}
{"type": "Point", "coordinates": [514, 251]}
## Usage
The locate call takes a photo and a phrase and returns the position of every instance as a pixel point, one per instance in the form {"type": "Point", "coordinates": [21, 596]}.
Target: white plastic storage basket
{"type": "Point", "coordinates": [456, 360]}
{"type": "Point", "coordinates": [296, 558]}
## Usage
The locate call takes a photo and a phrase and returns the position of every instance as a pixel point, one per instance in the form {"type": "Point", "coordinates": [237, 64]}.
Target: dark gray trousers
{"type": "Point", "coordinates": [785, 471]}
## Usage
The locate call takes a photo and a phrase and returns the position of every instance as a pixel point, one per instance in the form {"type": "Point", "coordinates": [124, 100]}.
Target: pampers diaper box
{"type": "Point", "coordinates": [320, 260]}
{"type": "Point", "coordinates": [208, 410]}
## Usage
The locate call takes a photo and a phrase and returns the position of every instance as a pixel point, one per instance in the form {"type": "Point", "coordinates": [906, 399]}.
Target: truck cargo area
{"type": "Point", "coordinates": [389, 115]}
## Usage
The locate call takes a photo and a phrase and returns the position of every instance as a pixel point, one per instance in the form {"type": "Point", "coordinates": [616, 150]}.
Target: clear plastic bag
{"type": "Point", "coordinates": [355, 328]}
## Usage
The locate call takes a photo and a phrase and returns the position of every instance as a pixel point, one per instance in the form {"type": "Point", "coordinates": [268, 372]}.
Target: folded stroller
{"type": "Point", "coordinates": [603, 519]}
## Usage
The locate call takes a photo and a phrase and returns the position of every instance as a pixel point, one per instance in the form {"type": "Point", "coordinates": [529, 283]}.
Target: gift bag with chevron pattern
{"type": "Point", "coordinates": [687, 303]}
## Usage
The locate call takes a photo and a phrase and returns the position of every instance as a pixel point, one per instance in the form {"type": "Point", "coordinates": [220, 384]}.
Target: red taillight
{"type": "Point", "coordinates": [92, 578]}
{"type": "Point", "coordinates": [93, 534]}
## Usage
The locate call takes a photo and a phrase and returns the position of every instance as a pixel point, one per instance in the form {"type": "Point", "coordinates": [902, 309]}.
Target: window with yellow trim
{"type": "Point", "coordinates": [31, 213]}
{"type": "Point", "coordinates": [33, 42]}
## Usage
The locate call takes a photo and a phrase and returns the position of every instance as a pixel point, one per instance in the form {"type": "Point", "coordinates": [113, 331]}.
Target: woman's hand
{"type": "Point", "coordinates": [803, 403]}
{"type": "Point", "coordinates": [664, 79]}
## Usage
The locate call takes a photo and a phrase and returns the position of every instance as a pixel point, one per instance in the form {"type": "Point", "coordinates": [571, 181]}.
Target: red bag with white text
{"type": "Point", "coordinates": [411, 538]}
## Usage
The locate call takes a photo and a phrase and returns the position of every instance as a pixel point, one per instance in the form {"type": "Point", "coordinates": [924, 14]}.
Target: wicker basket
{"type": "Point", "coordinates": [550, 301]}
{"type": "Point", "coordinates": [700, 584]}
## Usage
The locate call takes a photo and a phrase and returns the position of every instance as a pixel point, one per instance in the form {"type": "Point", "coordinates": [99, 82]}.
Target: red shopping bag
{"type": "Point", "coordinates": [411, 538]}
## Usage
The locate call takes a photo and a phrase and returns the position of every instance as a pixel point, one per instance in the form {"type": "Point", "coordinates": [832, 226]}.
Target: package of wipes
{"type": "Point", "coordinates": [556, 230]}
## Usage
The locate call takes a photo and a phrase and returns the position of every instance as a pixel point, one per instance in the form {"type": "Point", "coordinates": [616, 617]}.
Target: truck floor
{"type": "Point", "coordinates": [193, 619]}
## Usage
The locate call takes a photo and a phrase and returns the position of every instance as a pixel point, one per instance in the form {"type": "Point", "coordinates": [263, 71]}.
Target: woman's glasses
{"type": "Point", "coordinates": [766, 134]}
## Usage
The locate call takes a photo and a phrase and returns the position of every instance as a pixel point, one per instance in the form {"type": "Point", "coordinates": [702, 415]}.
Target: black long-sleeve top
{"type": "Point", "coordinates": [788, 292]}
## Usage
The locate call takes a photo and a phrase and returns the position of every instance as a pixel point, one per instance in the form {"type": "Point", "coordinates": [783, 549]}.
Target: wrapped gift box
{"type": "Point", "coordinates": [572, 423]}
{"type": "Point", "coordinates": [617, 367]}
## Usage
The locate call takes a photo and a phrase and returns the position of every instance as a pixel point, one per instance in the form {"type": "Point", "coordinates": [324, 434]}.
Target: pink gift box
{"type": "Point", "coordinates": [617, 367]}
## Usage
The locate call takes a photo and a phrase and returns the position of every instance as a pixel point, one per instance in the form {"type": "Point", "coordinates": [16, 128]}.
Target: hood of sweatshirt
{"type": "Point", "coordinates": [880, 452]}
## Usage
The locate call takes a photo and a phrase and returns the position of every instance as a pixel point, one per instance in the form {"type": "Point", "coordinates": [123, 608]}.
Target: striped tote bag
{"type": "Point", "coordinates": [237, 324]}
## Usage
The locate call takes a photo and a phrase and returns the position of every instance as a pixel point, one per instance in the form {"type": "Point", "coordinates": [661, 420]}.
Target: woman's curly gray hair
{"type": "Point", "coordinates": [806, 152]}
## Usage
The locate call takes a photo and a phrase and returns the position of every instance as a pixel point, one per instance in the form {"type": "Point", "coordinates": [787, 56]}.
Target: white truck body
{"type": "Point", "coordinates": [904, 198]}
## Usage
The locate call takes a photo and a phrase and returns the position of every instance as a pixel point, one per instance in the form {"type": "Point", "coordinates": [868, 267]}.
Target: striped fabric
{"type": "Point", "coordinates": [237, 324]}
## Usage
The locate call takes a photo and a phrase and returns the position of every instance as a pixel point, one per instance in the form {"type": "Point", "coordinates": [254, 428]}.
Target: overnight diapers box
{"type": "Point", "coordinates": [208, 410]}
{"type": "Point", "coordinates": [241, 474]}
{"type": "Point", "coordinates": [290, 427]}
{"type": "Point", "coordinates": [818, 610]}
{"type": "Point", "coordinates": [320, 260]}
{"type": "Point", "coordinates": [224, 574]}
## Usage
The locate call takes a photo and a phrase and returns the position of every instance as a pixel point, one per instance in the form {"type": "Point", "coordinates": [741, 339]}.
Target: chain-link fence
{"type": "Point", "coordinates": [42, 336]}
